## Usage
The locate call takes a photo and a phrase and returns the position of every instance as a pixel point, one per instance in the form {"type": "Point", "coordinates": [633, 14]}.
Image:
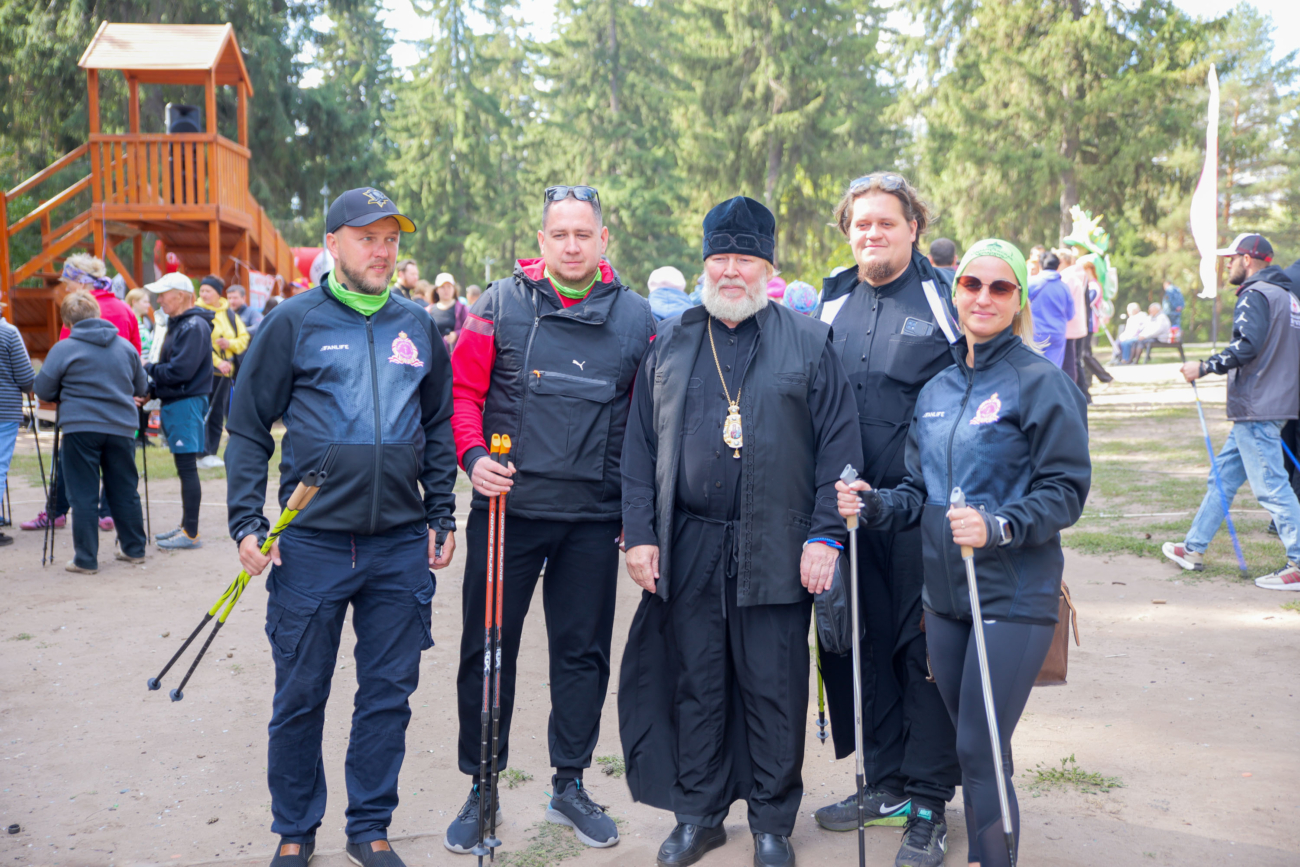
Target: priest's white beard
{"type": "Point", "coordinates": [733, 311]}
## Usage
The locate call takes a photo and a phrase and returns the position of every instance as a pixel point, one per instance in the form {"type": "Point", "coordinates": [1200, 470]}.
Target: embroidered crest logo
{"type": "Point", "coordinates": [376, 198]}
{"type": "Point", "coordinates": [987, 413]}
{"type": "Point", "coordinates": [404, 352]}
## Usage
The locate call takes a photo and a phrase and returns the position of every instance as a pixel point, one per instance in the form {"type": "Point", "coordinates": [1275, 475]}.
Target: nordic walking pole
{"type": "Point", "coordinates": [36, 435]}
{"type": "Point", "coordinates": [144, 459]}
{"type": "Point", "coordinates": [51, 498]}
{"type": "Point", "coordinates": [849, 476]}
{"type": "Point", "coordinates": [484, 789]}
{"type": "Point", "coordinates": [492, 842]}
{"type": "Point", "coordinates": [958, 501]}
{"type": "Point", "coordinates": [298, 501]}
{"type": "Point", "coordinates": [1218, 484]}
{"type": "Point", "coordinates": [821, 692]}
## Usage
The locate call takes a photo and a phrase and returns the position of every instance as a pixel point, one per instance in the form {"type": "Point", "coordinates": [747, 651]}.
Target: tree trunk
{"type": "Point", "coordinates": [613, 58]}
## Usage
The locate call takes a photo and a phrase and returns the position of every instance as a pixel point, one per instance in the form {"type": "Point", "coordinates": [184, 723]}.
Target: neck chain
{"type": "Point", "coordinates": [732, 432]}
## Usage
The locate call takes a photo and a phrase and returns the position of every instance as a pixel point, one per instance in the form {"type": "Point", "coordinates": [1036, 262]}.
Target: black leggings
{"type": "Point", "coordinates": [1016, 652]}
{"type": "Point", "coordinates": [191, 492]}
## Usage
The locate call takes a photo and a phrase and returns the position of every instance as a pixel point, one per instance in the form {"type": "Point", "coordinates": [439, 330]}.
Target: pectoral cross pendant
{"type": "Point", "coordinates": [732, 433]}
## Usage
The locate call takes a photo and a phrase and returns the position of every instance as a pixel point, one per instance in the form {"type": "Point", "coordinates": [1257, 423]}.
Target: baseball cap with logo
{"type": "Point", "coordinates": [361, 207]}
{"type": "Point", "coordinates": [1248, 244]}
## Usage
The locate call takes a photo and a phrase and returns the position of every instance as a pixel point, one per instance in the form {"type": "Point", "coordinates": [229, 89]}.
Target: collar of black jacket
{"type": "Point", "coordinates": [593, 310]}
{"type": "Point", "coordinates": [844, 282]}
{"type": "Point", "coordinates": [196, 310]}
{"type": "Point", "coordinates": [988, 353]}
{"type": "Point", "coordinates": [1271, 274]}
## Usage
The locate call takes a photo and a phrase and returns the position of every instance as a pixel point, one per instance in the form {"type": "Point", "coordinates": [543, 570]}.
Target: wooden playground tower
{"type": "Point", "coordinates": [190, 189]}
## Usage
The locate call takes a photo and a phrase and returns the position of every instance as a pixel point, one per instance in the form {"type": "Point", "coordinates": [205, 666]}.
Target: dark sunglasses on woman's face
{"type": "Point", "coordinates": [998, 288]}
{"type": "Point", "coordinates": [582, 193]}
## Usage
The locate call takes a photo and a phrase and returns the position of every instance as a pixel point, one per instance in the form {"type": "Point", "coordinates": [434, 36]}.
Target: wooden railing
{"type": "Point", "coordinates": [184, 170]}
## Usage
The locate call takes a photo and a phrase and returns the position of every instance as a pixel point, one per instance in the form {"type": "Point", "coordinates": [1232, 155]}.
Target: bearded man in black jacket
{"type": "Point", "coordinates": [893, 321]}
{"type": "Point", "coordinates": [741, 420]}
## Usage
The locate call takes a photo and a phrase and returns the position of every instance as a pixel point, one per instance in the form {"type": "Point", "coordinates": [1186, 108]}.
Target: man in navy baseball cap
{"type": "Point", "coordinates": [361, 207]}
{"type": "Point", "coordinates": [1249, 244]}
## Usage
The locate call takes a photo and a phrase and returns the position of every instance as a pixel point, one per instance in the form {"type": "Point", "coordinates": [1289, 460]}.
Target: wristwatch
{"type": "Point", "coordinates": [1004, 530]}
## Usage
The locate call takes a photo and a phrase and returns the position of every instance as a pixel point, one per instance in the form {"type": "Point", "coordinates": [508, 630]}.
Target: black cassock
{"type": "Point", "coordinates": [713, 696]}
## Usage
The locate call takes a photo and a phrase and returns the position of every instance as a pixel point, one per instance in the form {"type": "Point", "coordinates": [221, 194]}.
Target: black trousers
{"type": "Point", "coordinates": [1291, 436]}
{"type": "Point", "coordinates": [217, 406]}
{"type": "Point", "coordinates": [84, 457]}
{"type": "Point", "coordinates": [1016, 652]}
{"type": "Point", "coordinates": [908, 739]}
{"type": "Point", "coordinates": [578, 593]}
{"type": "Point", "coordinates": [758, 653]}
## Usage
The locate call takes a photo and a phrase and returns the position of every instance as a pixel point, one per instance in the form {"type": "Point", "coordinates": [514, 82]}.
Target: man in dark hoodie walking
{"type": "Point", "coordinates": [1263, 367]}
{"type": "Point", "coordinates": [94, 376]}
{"type": "Point", "coordinates": [893, 322]}
{"type": "Point", "coordinates": [182, 381]}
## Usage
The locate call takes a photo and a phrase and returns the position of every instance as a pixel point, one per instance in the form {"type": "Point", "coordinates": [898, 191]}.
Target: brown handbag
{"type": "Point", "coordinates": [1058, 655]}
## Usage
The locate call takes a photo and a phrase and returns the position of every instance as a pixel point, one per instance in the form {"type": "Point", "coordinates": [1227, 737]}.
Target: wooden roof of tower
{"type": "Point", "coordinates": [169, 53]}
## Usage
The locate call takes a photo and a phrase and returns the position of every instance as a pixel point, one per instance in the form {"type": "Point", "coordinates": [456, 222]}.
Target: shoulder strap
{"type": "Point", "coordinates": [1074, 612]}
{"type": "Point", "coordinates": [940, 311]}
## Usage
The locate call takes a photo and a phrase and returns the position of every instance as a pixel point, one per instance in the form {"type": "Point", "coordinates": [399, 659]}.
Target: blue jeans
{"type": "Point", "coordinates": [1252, 453]}
{"type": "Point", "coordinates": [386, 580]}
{"type": "Point", "coordinates": [8, 437]}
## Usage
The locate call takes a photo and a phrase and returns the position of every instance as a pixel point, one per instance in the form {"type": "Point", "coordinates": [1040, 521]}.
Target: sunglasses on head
{"type": "Point", "coordinates": [998, 288]}
{"type": "Point", "coordinates": [888, 181]}
{"type": "Point", "coordinates": [582, 193]}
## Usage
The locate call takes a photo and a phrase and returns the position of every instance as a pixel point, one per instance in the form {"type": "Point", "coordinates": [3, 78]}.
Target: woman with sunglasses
{"type": "Point", "coordinates": [1009, 428]}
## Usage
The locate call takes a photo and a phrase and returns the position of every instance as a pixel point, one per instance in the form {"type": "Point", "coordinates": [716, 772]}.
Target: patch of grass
{"type": "Point", "coordinates": [514, 777]}
{"type": "Point", "coordinates": [27, 636]}
{"type": "Point", "coordinates": [1068, 775]}
{"type": "Point", "coordinates": [611, 765]}
{"type": "Point", "coordinates": [1293, 605]}
{"type": "Point", "coordinates": [550, 844]}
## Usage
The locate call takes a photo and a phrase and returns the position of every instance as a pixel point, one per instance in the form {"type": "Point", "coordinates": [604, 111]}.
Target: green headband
{"type": "Point", "coordinates": [998, 249]}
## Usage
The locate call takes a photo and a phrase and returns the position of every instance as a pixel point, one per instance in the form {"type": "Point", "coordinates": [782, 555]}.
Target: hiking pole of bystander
{"type": "Point", "coordinates": [1290, 454]}
{"type": "Point", "coordinates": [52, 497]}
{"type": "Point", "coordinates": [958, 501]}
{"type": "Point", "coordinates": [144, 461]}
{"type": "Point", "coordinates": [821, 691]}
{"type": "Point", "coordinates": [298, 501]}
{"type": "Point", "coordinates": [40, 461]}
{"type": "Point", "coordinates": [484, 788]}
{"type": "Point", "coordinates": [1218, 484]}
{"type": "Point", "coordinates": [503, 458]}
{"type": "Point", "coordinates": [849, 476]}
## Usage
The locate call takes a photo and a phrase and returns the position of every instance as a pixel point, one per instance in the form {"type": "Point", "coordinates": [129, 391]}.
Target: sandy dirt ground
{"type": "Point", "coordinates": [1190, 704]}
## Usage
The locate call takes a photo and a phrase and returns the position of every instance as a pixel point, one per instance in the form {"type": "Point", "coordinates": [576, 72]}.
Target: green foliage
{"type": "Point", "coordinates": [513, 777]}
{"type": "Point", "coordinates": [611, 765]}
{"type": "Point", "coordinates": [1070, 775]}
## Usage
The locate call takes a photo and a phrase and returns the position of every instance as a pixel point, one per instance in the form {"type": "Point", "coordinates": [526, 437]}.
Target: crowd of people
{"type": "Point", "coordinates": [707, 435]}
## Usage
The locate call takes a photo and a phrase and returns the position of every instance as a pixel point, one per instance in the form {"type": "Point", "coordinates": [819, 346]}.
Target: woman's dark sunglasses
{"type": "Point", "coordinates": [582, 193]}
{"type": "Point", "coordinates": [998, 288]}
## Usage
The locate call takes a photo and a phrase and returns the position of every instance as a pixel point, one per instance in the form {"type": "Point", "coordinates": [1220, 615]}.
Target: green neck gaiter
{"type": "Point", "coordinates": [571, 293]}
{"type": "Point", "coordinates": [366, 305]}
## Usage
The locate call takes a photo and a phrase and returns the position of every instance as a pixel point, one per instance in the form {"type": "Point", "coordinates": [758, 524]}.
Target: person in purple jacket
{"type": "Point", "coordinates": [1052, 307]}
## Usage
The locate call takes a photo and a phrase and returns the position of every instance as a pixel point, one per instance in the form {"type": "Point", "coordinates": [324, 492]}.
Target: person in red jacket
{"type": "Point", "coordinates": [85, 273]}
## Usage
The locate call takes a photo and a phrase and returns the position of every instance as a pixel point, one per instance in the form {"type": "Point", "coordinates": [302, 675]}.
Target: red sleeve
{"type": "Point", "coordinates": [472, 360]}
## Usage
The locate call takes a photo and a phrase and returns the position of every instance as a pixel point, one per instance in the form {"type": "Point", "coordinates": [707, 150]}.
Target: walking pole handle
{"type": "Point", "coordinates": [848, 477]}
{"type": "Point", "coordinates": [306, 490]}
{"type": "Point", "coordinates": [957, 500]}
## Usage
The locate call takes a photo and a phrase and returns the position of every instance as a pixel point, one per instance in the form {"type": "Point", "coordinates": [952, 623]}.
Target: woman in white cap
{"type": "Point", "coordinates": [447, 311]}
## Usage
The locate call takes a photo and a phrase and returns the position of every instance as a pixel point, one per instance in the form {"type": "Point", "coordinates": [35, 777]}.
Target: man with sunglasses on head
{"type": "Point", "coordinates": [548, 356]}
{"type": "Point", "coordinates": [893, 321]}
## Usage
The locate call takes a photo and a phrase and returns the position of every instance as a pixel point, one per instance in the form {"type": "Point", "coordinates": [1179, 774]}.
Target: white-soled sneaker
{"type": "Point", "coordinates": [1189, 560]}
{"type": "Point", "coordinates": [1286, 578]}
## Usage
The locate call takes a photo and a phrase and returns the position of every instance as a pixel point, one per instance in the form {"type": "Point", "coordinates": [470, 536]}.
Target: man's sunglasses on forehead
{"type": "Point", "coordinates": [582, 193]}
{"type": "Point", "coordinates": [888, 181]}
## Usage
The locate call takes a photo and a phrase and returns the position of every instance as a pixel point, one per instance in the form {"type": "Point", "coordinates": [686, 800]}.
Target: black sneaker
{"type": "Point", "coordinates": [376, 853]}
{"type": "Point", "coordinates": [882, 809]}
{"type": "Point", "coordinates": [925, 841]}
{"type": "Point", "coordinates": [462, 833]}
{"type": "Point", "coordinates": [5, 540]}
{"type": "Point", "coordinates": [571, 806]}
{"type": "Point", "coordinates": [293, 854]}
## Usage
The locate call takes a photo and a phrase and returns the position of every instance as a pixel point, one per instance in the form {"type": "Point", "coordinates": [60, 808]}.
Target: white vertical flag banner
{"type": "Point", "coordinates": [1205, 201]}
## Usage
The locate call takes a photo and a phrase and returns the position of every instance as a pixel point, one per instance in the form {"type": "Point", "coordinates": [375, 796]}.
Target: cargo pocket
{"type": "Point", "coordinates": [287, 614]}
{"type": "Point", "coordinates": [908, 358]}
{"type": "Point", "coordinates": [424, 609]}
{"type": "Point", "coordinates": [566, 426]}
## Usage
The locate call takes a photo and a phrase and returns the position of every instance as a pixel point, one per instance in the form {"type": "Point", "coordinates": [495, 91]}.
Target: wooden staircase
{"type": "Point", "coordinates": [188, 190]}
